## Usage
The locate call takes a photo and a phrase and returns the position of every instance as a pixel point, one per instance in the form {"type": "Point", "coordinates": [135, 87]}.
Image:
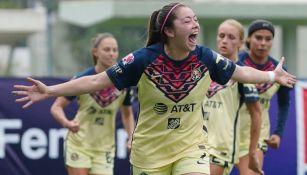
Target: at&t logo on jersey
{"type": "Point", "coordinates": [160, 108]}
{"type": "Point", "coordinates": [128, 59]}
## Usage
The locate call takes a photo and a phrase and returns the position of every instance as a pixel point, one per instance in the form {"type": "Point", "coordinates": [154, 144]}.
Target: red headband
{"type": "Point", "coordinates": [167, 16]}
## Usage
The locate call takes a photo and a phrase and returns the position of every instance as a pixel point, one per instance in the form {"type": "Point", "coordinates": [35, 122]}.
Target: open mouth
{"type": "Point", "coordinates": [193, 38]}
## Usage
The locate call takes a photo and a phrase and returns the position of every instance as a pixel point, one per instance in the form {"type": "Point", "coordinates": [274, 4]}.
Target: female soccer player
{"type": "Point", "coordinates": [222, 104]}
{"type": "Point", "coordinates": [259, 42]}
{"type": "Point", "coordinates": [172, 74]}
{"type": "Point", "coordinates": [90, 143]}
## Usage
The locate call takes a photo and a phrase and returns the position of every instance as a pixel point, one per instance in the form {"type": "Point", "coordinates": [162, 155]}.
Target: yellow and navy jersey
{"type": "Point", "coordinates": [170, 95]}
{"type": "Point", "coordinates": [266, 92]}
{"type": "Point", "coordinates": [96, 114]}
{"type": "Point", "coordinates": [221, 120]}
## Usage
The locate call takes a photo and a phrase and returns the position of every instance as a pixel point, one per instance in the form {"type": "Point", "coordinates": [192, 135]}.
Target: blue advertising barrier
{"type": "Point", "coordinates": [31, 141]}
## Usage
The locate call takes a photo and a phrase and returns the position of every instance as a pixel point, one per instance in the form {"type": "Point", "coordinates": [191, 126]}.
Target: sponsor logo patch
{"type": "Point", "coordinates": [115, 68]}
{"type": "Point", "coordinates": [173, 123]}
{"type": "Point", "coordinates": [160, 108]}
{"type": "Point", "coordinates": [99, 121]}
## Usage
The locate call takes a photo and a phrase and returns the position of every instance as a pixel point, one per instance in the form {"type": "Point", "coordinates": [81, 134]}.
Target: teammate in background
{"type": "Point", "coordinates": [90, 143]}
{"type": "Point", "coordinates": [222, 104]}
{"type": "Point", "coordinates": [172, 74]}
{"type": "Point", "coordinates": [259, 42]}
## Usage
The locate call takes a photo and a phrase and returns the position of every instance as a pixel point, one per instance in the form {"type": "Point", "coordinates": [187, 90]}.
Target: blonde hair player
{"type": "Point", "coordinates": [222, 104]}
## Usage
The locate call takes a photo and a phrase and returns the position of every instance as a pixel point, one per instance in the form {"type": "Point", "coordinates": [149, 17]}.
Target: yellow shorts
{"type": "Point", "coordinates": [98, 162]}
{"type": "Point", "coordinates": [222, 163]}
{"type": "Point", "coordinates": [199, 164]}
{"type": "Point", "coordinates": [217, 161]}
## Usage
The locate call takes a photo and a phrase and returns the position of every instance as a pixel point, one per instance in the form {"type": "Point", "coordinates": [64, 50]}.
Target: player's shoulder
{"type": "Point", "coordinates": [243, 55]}
{"type": "Point", "coordinates": [147, 53]}
{"type": "Point", "coordinates": [273, 60]}
{"type": "Point", "coordinates": [86, 72]}
{"type": "Point", "coordinates": [240, 63]}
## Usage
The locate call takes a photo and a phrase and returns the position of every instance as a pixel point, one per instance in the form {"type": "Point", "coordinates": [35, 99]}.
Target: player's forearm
{"type": "Point", "coordinates": [128, 122]}
{"type": "Point", "coordinates": [247, 74]}
{"type": "Point", "coordinates": [59, 115]}
{"type": "Point", "coordinates": [256, 120]}
{"type": "Point", "coordinates": [255, 132]}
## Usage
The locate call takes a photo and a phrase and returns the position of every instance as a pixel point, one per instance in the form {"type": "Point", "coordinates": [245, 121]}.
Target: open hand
{"type": "Point", "coordinates": [282, 77]}
{"type": "Point", "coordinates": [31, 94]}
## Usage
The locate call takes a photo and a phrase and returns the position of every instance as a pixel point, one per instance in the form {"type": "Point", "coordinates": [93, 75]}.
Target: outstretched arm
{"type": "Point", "coordinates": [250, 75]}
{"type": "Point", "coordinates": [39, 91]}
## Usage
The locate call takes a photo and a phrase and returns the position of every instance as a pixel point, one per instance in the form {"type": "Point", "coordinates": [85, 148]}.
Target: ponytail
{"type": "Point", "coordinates": [153, 35]}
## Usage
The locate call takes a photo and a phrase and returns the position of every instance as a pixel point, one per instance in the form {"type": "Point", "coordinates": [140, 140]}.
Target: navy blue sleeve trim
{"type": "Point", "coordinates": [113, 79]}
{"type": "Point", "coordinates": [283, 100]}
{"type": "Point", "coordinates": [247, 95]}
{"type": "Point", "coordinates": [129, 97]}
{"type": "Point", "coordinates": [220, 68]}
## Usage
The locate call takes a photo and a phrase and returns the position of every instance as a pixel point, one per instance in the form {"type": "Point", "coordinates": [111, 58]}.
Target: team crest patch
{"type": "Point", "coordinates": [176, 82]}
{"type": "Point", "coordinates": [128, 59]}
{"type": "Point", "coordinates": [196, 74]}
{"type": "Point", "coordinates": [74, 156]}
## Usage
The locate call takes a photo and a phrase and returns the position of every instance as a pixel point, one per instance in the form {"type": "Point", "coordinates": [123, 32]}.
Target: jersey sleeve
{"type": "Point", "coordinates": [128, 70]}
{"type": "Point", "coordinates": [220, 68]}
{"type": "Point", "coordinates": [129, 97]}
{"type": "Point", "coordinates": [248, 92]}
{"type": "Point", "coordinates": [283, 101]}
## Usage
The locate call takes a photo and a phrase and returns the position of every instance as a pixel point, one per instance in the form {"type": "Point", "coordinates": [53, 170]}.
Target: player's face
{"type": "Point", "coordinates": [186, 28]}
{"type": "Point", "coordinates": [260, 43]}
{"type": "Point", "coordinates": [228, 40]}
{"type": "Point", "coordinates": [106, 52]}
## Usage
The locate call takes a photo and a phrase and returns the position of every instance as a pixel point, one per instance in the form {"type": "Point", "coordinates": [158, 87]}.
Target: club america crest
{"type": "Point", "coordinates": [196, 74]}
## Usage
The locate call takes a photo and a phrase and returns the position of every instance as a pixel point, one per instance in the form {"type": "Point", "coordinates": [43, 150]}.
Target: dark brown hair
{"type": "Point", "coordinates": [164, 16]}
{"type": "Point", "coordinates": [259, 24]}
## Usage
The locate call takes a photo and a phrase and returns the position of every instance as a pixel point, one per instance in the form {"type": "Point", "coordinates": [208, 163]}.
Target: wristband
{"type": "Point", "coordinates": [271, 76]}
